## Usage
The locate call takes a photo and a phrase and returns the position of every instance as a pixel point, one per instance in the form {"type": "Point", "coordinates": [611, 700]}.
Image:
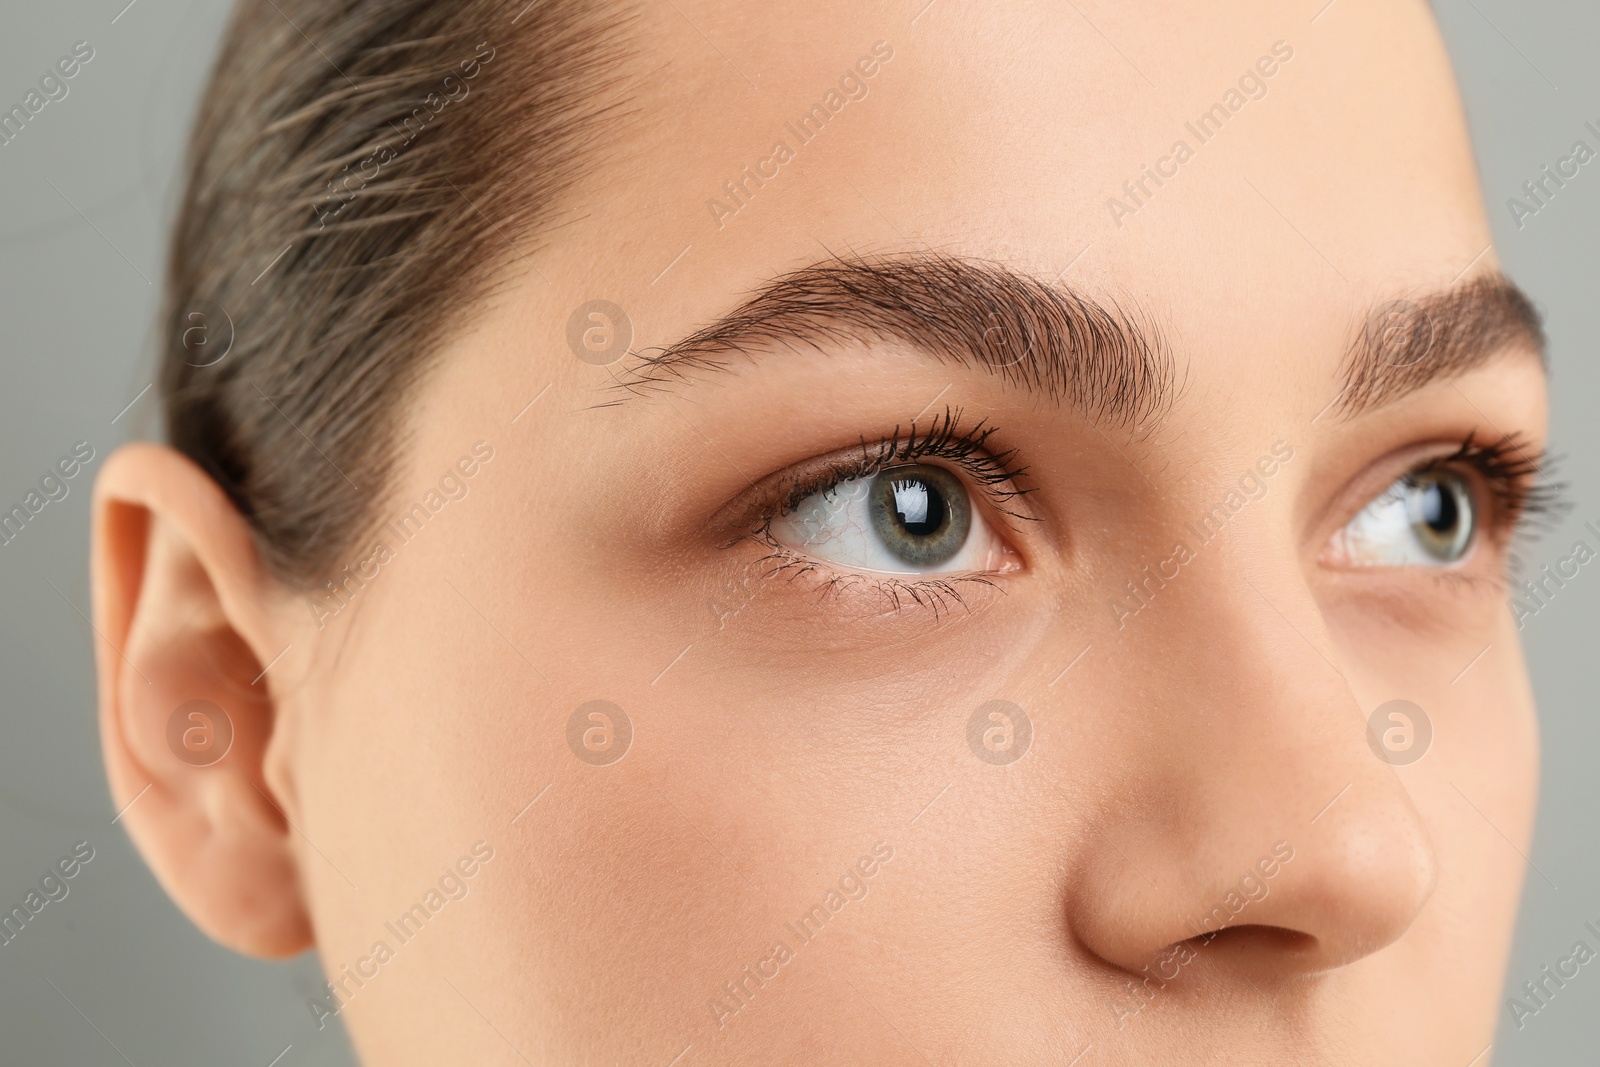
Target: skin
{"type": "Point", "coordinates": [779, 738]}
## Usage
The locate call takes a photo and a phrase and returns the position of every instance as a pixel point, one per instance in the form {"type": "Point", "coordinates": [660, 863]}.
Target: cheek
{"type": "Point", "coordinates": [436, 732]}
{"type": "Point", "coordinates": [1476, 790]}
{"type": "Point", "coordinates": [1489, 743]}
{"type": "Point", "coordinates": [634, 890]}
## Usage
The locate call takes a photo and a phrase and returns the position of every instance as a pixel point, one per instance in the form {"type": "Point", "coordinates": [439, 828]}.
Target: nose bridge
{"type": "Point", "coordinates": [1254, 799]}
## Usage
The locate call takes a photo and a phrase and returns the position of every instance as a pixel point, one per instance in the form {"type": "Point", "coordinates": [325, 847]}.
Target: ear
{"type": "Point", "coordinates": [187, 720]}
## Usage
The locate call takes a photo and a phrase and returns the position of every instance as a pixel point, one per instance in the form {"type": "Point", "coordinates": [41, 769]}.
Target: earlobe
{"type": "Point", "coordinates": [187, 719]}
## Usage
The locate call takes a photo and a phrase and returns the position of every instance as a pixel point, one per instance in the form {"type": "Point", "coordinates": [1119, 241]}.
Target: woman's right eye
{"type": "Point", "coordinates": [912, 519]}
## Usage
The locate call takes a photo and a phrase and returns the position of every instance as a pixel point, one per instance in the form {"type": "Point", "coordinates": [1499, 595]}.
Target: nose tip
{"type": "Point", "coordinates": [1368, 872]}
{"type": "Point", "coordinates": [1342, 888]}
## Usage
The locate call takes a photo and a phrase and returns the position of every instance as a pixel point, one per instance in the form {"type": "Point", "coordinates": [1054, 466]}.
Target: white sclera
{"type": "Point", "coordinates": [835, 526]}
{"type": "Point", "coordinates": [1392, 531]}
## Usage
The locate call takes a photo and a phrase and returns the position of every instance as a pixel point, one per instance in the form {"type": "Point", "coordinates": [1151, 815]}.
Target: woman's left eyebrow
{"type": "Point", "coordinates": [1110, 364]}
{"type": "Point", "coordinates": [1405, 344]}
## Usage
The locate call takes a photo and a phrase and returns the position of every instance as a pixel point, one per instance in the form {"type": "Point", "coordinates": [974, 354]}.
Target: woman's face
{"type": "Point", "coordinates": [919, 666]}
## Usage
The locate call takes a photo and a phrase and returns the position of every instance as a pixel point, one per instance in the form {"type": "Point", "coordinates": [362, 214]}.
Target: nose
{"type": "Point", "coordinates": [1250, 823]}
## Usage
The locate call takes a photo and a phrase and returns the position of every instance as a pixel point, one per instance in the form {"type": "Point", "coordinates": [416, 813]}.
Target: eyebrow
{"type": "Point", "coordinates": [1109, 363]}
{"type": "Point", "coordinates": [1404, 345]}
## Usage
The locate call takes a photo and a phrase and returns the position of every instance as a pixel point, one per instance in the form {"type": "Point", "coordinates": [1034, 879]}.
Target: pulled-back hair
{"type": "Point", "coordinates": [359, 173]}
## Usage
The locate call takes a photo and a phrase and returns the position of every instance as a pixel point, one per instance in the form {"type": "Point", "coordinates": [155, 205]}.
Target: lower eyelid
{"type": "Point", "coordinates": [936, 593]}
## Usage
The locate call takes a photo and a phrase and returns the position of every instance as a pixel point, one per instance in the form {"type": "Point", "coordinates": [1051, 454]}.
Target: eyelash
{"type": "Point", "coordinates": [994, 473]}
{"type": "Point", "coordinates": [1505, 468]}
{"type": "Point", "coordinates": [1508, 471]}
{"type": "Point", "coordinates": [944, 439]}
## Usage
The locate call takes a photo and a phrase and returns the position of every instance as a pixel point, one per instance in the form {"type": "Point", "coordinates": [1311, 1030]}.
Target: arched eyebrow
{"type": "Point", "coordinates": [1109, 363]}
{"type": "Point", "coordinates": [1406, 344]}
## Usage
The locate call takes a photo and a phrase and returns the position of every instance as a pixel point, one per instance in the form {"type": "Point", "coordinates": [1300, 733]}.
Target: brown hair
{"type": "Point", "coordinates": [359, 172]}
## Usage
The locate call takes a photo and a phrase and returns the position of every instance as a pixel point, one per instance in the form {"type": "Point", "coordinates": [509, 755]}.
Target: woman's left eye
{"type": "Point", "coordinates": [915, 518]}
{"type": "Point", "coordinates": [1425, 518]}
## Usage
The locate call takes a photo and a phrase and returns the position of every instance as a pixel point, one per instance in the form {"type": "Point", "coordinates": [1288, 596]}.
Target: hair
{"type": "Point", "coordinates": [359, 174]}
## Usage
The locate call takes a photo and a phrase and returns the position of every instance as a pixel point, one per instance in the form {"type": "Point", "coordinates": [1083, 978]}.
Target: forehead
{"type": "Point", "coordinates": [1215, 163]}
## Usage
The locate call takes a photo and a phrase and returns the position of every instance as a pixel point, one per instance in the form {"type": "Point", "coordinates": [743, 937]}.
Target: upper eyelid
{"type": "Point", "coordinates": [994, 471]}
{"type": "Point", "coordinates": [1516, 496]}
{"type": "Point", "coordinates": [1498, 523]}
{"type": "Point", "coordinates": [990, 500]}
{"type": "Point", "coordinates": [1378, 475]}
{"type": "Point", "coordinates": [874, 467]}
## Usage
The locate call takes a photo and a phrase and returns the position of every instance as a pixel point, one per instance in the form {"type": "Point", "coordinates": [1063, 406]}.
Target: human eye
{"type": "Point", "coordinates": [1438, 513]}
{"type": "Point", "coordinates": [911, 518]}
{"type": "Point", "coordinates": [914, 512]}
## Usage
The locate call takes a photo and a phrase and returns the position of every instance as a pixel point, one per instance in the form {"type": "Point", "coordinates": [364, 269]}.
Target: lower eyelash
{"type": "Point", "coordinates": [937, 594]}
{"type": "Point", "coordinates": [1468, 582]}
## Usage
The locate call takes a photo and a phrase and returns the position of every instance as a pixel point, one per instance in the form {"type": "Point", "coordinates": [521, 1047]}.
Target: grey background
{"type": "Point", "coordinates": [133, 981]}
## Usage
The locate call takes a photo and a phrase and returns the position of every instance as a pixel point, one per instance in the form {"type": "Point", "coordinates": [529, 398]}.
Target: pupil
{"type": "Point", "coordinates": [1441, 514]}
{"type": "Point", "coordinates": [920, 507]}
{"type": "Point", "coordinates": [1439, 508]}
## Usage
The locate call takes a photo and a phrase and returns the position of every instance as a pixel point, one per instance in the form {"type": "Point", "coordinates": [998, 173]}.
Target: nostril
{"type": "Point", "coordinates": [1254, 951]}
{"type": "Point", "coordinates": [1246, 949]}
{"type": "Point", "coordinates": [1232, 944]}
{"type": "Point", "coordinates": [1254, 939]}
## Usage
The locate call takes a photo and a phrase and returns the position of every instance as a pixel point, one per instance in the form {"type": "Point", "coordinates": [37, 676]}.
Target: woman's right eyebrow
{"type": "Point", "coordinates": [1110, 364]}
